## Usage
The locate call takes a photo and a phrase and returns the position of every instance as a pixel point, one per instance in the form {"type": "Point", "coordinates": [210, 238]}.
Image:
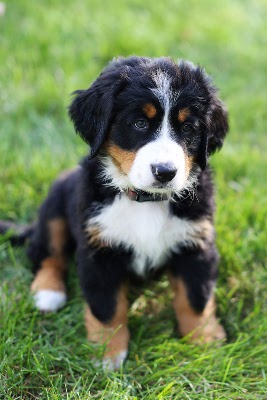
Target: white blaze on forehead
{"type": "Point", "coordinates": [162, 89]}
{"type": "Point", "coordinates": [164, 95]}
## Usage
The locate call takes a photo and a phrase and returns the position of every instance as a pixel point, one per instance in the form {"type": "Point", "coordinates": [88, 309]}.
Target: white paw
{"type": "Point", "coordinates": [112, 363]}
{"type": "Point", "coordinates": [49, 300]}
{"type": "Point", "coordinates": [115, 362]}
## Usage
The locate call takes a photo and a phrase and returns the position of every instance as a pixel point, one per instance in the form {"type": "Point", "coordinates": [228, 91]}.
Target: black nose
{"type": "Point", "coordinates": [163, 172]}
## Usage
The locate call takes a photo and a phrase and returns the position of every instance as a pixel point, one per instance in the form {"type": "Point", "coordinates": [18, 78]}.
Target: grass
{"type": "Point", "coordinates": [48, 49]}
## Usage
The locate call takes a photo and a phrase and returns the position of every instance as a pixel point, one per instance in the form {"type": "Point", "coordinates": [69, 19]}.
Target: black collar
{"type": "Point", "coordinates": [141, 197]}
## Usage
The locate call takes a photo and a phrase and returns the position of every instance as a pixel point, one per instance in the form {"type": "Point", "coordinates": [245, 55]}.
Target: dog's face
{"type": "Point", "coordinates": [153, 122]}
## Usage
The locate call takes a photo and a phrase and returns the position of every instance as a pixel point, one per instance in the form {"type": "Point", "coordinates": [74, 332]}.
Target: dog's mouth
{"type": "Point", "coordinates": [160, 186]}
{"type": "Point", "coordinates": [155, 192]}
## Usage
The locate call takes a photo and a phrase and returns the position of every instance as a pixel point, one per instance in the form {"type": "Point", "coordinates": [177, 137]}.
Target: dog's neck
{"type": "Point", "coordinates": [140, 196]}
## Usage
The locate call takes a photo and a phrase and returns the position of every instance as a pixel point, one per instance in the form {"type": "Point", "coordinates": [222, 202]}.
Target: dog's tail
{"type": "Point", "coordinates": [17, 234]}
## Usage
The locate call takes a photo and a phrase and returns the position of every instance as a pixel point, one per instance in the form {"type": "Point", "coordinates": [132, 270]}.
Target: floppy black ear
{"type": "Point", "coordinates": [91, 109]}
{"type": "Point", "coordinates": [203, 153]}
{"type": "Point", "coordinates": [218, 126]}
{"type": "Point", "coordinates": [213, 137]}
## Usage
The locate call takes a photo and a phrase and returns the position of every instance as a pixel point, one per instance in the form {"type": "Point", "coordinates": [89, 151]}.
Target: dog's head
{"type": "Point", "coordinates": [153, 122]}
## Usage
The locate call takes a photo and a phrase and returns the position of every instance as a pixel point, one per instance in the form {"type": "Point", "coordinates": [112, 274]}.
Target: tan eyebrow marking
{"type": "Point", "coordinates": [183, 114]}
{"type": "Point", "coordinates": [150, 110]}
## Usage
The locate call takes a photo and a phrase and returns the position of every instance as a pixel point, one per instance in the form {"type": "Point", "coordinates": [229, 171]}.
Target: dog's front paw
{"type": "Point", "coordinates": [111, 363]}
{"type": "Point", "coordinates": [215, 332]}
{"type": "Point", "coordinates": [49, 300]}
{"type": "Point", "coordinates": [211, 332]}
{"type": "Point", "coordinates": [114, 362]}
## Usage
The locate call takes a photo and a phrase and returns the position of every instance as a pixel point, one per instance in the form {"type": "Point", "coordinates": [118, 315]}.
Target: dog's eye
{"type": "Point", "coordinates": [186, 128]}
{"type": "Point", "coordinates": [141, 124]}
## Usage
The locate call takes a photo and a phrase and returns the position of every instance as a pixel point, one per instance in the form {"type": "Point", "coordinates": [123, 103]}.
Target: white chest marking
{"type": "Point", "coordinates": [147, 229]}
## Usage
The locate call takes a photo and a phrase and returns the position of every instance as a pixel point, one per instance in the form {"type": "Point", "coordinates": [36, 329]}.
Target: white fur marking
{"type": "Point", "coordinates": [164, 95]}
{"type": "Point", "coordinates": [146, 228]}
{"type": "Point", "coordinates": [162, 91]}
{"type": "Point", "coordinates": [49, 300]}
{"type": "Point", "coordinates": [113, 176]}
{"type": "Point", "coordinates": [113, 363]}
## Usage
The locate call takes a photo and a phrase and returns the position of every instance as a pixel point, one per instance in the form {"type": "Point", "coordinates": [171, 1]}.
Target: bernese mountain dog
{"type": "Point", "coordinates": [141, 203]}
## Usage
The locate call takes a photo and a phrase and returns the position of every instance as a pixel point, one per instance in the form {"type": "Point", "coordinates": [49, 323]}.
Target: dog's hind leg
{"type": "Point", "coordinates": [48, 286]}
{"type": "Point", "coordinates": [49, 248]}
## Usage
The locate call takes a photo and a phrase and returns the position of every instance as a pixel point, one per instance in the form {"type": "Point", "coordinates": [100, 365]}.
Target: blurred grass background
{"type": "Point", "coordinates": [49, 49]}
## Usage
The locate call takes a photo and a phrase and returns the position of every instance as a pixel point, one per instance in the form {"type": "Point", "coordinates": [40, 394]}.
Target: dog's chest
{"type": "Point", "coordinates": [148, 229]}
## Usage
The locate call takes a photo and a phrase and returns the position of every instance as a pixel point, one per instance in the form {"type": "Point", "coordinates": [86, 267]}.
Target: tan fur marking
{"type": "Point", "coordinates": [189, 162]}
{"type": "Point", "coordinates": [94, 235]}
{"type": "Point", "coordinates": [114, 334]}
{"type": "Point", "coordinates": [149, 110]}
{"type": "Point", "coordinates": [183, 114]}
{"type": "Point", "coordinates": [50, 275]}
{"type": "Point", "coordinates": [207, 229]}
{"type": "Point", "coordinates": [204, 327]}
{"type": "Point", "coordinates": [204, 233]}
{"type": "Point", "coordinates": [122, 158]}
{"type": "Point", "coordinates": [57, 235]}
{"type": "Point", "coordinates": [52, 272]}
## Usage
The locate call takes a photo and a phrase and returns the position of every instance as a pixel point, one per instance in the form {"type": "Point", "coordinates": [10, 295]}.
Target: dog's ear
{"type": "Point", "coordinates": [203, 153]}
{"type": "Point", "coordinates": [91, 109]}
{"type": "Point", "coordinates": [216, 128]}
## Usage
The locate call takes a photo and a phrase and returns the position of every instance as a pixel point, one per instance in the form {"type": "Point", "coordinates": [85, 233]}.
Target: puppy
{"type": "Point", "coordinates": [141, 203]}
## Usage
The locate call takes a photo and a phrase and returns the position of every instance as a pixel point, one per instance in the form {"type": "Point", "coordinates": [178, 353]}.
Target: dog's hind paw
{"type": "Point", "coordinates": [49, 300]}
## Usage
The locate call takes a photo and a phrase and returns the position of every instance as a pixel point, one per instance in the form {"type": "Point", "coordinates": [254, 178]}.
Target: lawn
{"type": "Point", "coordinates": [50, 48]}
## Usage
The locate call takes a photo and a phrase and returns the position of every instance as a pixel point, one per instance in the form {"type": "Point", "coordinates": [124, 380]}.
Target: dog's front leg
{"type": "Point", "coordinates": [102, 277]}
{"type": "Point", "coordinates": [192, 277]}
